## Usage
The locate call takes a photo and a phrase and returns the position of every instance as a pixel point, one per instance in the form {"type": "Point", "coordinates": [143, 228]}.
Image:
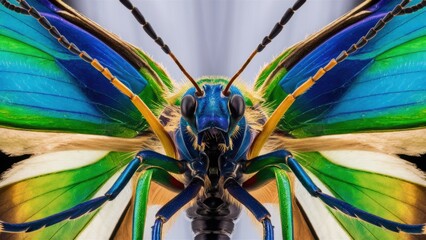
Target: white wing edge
{"type": "Point", "coordinates": [102, 225]}
{"type": "Point", "coordinates": [324, 223]}
{"type": "Point", "coordinates": [376, 162]}
{"type": "Point", "coordinates": [49, 163]}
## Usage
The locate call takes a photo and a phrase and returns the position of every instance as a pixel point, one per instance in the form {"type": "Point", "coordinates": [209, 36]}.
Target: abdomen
{"type": "Point", "coordinates": [213, 218]}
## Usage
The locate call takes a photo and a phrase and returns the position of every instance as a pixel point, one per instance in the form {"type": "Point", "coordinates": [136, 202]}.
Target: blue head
{"type": "Point", "coordinates": [213, 117]}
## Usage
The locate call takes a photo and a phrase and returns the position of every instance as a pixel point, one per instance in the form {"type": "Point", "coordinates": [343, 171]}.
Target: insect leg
{"type": "Point", "coordinates": [158, 160]}
{"type": "Point", "coordinates": [79, 210]}
{"type": "Point", "coordinates": [140, 203]}
{"type": "Point", "coordinates": [348, 209]}
{"type": "Point", "coordinates": [285, 202]}
{"type": "Point", "coordinates": [158, 165]}
{"type": "Point", "coordinates": [271, 159]}
{"type": "Point", "coordinates": [284, 194]}
{"type": "Point", "coordinates": [141, 196]}
{"type": "Point", "coordinates": [146, 157]}
{"type": "Point", "coordinates": [255, 207]}
{"type": "Point", "coordinates": [173, 206]}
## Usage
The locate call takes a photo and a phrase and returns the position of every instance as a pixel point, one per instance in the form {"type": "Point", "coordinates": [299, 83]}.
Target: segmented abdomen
{"type": "Point", "coordinates": [213, 219]}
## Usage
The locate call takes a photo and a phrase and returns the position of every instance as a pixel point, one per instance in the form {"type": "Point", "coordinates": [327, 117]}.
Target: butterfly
{"type": "Point", "coordinates": [105, 126]}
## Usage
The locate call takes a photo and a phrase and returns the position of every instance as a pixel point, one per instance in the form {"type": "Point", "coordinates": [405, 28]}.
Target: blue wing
{"type": "Point", "coordinates": [379, 87]}
{"type": "Point", "coordinates": [61, 92]}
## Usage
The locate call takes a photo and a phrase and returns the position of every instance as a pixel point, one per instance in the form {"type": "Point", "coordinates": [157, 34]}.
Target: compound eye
{"type": "Point", "coordinates": [237, 106]}
{"type": "Point", "coordinates": [187, 107]}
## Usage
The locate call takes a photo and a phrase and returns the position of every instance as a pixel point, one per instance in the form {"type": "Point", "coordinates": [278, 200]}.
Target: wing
{"type": "Point", "coordinates": [46, 87]}
{"type": "Point", "coordinates": [57, 106]}
{"type": "Point", "coordinates": [369, 180]}
{"type": "Point", "coordinates": [50, 183]}
{"type": "Point", "coordinates": [380, 89]}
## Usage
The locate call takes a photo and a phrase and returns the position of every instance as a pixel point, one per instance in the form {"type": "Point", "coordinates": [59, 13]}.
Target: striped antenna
{"type": "Point", "coordinates": [152, 120]}
{"type": "Point", "coordinates": [279, 112]}
{"type": "Point", "coordinates": [150, 31]}
{"type": "Point", "coordinates": [413, 8]}
{"type": "Point", "coordinates": [13, 7]}
{"type": "Point", "coordinates": [266, 40]}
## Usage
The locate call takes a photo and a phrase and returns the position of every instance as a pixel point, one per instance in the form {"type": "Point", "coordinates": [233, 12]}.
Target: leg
{"type": "Point", "coordinates": [285, 201]}
{"type": "Point", "coordinates": [149, 159]}
{"type": "Point", "coordinates": [272, 159]}
{"type": "Point", "coordinates": [153, 159]}
{"type": "Point", "coordinates": [168, 210]}
{"type": "Point", "coordinates": [141, 196]}
{"type": "Point", "coordinates": [157, 160]}
{"type": "Point", "coordinates": [255, 207]}
{"type": "Point", "coordinates": [284, 194]}
{"type": "Point", "coordinates": [141, 203]}
{"type": "Point", "coordinates": [78, 210]}
{"type": "Point", "coordinates": [349, 209]}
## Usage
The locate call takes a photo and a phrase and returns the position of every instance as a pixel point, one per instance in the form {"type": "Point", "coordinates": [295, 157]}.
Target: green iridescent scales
{"type": "Point", "coordinates": [53, 192]}
{"type": "Point", "coordinates": [386, 196]}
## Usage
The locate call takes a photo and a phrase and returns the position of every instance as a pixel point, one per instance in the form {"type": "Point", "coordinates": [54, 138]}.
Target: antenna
{"type": "Point", "coordinates": [150, 31]}
{"type": "Point", "coordinates": [266, 40]}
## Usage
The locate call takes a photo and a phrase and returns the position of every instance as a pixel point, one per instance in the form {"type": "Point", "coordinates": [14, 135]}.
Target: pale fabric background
{"type": "Point", "coordinates": [214, 37]}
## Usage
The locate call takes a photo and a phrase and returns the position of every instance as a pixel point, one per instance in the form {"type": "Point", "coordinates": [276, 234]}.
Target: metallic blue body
{"type": "Point", "coordinates": [212, 112]}
{"type": "Point", "coordinates": [198, 141]}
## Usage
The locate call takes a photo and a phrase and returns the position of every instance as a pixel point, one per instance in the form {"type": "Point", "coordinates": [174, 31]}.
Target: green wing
{"type": "Point", "coordinates": [375, 182]}
{"type": "Point", "coordinates": [47, 184]}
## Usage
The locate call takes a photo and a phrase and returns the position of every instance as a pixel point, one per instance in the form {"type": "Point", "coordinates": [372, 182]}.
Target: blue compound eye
{"type": "Point", "coordinates": [187, 107]}
{"type": "Point", "coordinates": [237, 106]}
